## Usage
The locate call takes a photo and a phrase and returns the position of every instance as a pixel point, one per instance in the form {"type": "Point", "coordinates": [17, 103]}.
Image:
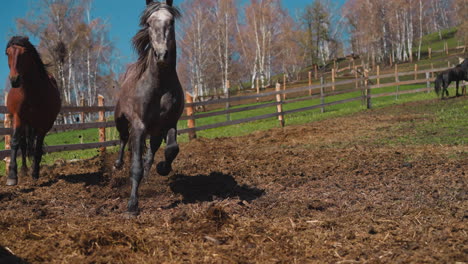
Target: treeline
{"type": "Point", "coordinates": [388, 31]}
{"type": "Point", "coordinates": [223, 40]}
{"type": "Point", "coordinates": [76, 47]}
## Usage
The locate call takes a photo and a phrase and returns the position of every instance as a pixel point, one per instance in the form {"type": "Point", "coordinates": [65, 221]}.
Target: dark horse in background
{"type": "Point", "coordinates": [457, 74]}
{"type": "Point", "coordinates": [33, 101]}
{"type": "Point", "coordinates": [151, 99]}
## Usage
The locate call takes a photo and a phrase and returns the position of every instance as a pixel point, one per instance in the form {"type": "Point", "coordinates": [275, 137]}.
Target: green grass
{"type": "Point", "coordinates": [444, 124]}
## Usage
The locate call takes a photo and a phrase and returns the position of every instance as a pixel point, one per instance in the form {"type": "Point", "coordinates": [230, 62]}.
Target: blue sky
{"type": "Point", "coordinates": [121, 15]}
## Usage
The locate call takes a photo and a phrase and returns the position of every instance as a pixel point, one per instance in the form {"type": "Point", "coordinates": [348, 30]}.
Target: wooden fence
{"type": "Point", "coordinates": [364, 84]}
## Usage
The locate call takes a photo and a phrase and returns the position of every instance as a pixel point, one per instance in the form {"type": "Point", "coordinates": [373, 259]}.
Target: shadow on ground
{"type": "Point", "coordinates": [202, 188]}
{"type": "Point", "coordinates": [6, 257]}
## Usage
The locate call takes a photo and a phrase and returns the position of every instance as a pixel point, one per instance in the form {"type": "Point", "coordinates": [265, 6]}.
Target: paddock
{"type": "Point", "coordinates": [342, 190]}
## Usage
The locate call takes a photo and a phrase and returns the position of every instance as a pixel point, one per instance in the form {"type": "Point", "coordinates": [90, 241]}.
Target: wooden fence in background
{"type": "Point", "coordinates": [364, 84]}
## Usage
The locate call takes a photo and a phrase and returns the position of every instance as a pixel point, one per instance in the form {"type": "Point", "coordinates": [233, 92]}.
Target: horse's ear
{"type": "Point", "coordinates": [169, 2]}
{"type": "Point", "coordinates": [149, 2]}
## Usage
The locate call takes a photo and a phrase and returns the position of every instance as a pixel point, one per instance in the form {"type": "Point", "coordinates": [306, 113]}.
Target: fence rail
{"type": "Point", "coordinates": [361, 84]}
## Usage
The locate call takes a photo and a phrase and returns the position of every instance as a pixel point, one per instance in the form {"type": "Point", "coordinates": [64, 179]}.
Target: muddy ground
{"type": "Point", "coordinates": [325, 192]}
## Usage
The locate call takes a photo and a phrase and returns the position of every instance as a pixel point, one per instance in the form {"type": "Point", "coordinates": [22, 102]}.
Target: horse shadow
{"type": "Point", "coordinates": [86, 178]}
{"type": "Point", "coordinates": [7, 257]}
{"type": "Point", "coordinates": [206, 188]}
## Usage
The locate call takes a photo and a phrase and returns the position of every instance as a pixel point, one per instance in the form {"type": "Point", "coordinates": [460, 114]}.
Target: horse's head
{"type": "Point", "coordinates": [159, 20]}
{"type": "Point", "coordinates": [16, 60]}
{"type": "Point", "coordinates": [23, 60]}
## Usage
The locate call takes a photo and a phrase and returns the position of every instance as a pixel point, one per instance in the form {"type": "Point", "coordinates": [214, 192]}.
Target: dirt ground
{"type": "Point", "coordinates": [325, 192]}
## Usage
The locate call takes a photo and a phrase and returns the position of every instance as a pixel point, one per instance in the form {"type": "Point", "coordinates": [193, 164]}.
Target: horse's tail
{"type": "Point", "coordinates": [438, 83]}
{"type": "Point", "coordinates": [29, 141]}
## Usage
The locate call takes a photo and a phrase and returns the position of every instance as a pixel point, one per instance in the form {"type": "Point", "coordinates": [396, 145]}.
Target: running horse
{"type": "Point", "coordinates": [151, 98]}
{"type": "Point", "coordinates": [33, 101]}
{"type": "Point", "coordinates": [456, 74]}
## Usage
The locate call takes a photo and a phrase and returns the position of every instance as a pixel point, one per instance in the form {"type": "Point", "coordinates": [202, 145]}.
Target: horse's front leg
{"type": "Point", "coordinates": [155, 143]}
{"type": "Point", "coordinates": [13, 168]}
{"type": "Point", "coordinates": [136, 169]}
{"type": "Point", "coordinates": [38, 152]}
{"type": "Point", "coordinates": [170, 153]}
{"type": "Point", "coordinates": [24, 150]}
{"type": "Point", "coordinates": [456, 93]}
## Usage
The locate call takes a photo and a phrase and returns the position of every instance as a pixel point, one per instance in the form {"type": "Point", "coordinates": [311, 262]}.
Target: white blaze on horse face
{"type": "Point", "coordinates": [159, 22]}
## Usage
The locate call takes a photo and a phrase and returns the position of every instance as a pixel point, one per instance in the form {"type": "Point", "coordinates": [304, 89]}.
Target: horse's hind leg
{"type": "Point", "coordinates": [155, 143]}
{"type": "Point", "coordinates": [13, 168]}
{"type": "Point", "coordinates": [170, 153]}
{"type": "Point", "coordinates": [38, 151]}
{"type": "Point", "coordinates": [122, 127]}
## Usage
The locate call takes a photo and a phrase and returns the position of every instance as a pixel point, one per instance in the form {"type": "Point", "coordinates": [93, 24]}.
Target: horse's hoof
{"type": "Point", "coordinates": [130, 215]}
{"type": "Point", "coordinates": [118, 165]}
{"type": "Point", "coordinates": [24, 171]}
{"type": "Point", "coordinates": [11, 182]}
{"type": "Point", "coordinates": [163, 169]}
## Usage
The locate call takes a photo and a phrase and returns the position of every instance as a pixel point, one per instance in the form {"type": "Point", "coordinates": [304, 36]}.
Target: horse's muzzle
{"type": "Point", "coordinates": [15, 81]}
{"type": "Point", "coordinates": [162, 56]}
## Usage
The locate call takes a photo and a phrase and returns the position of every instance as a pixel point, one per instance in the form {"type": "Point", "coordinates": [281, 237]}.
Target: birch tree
{"type": "Point", "coordinates": [76, 47]}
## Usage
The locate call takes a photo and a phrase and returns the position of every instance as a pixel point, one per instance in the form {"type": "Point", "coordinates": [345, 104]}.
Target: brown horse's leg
{"type": "Point", "coordinates": [122, 127]}
{"type": "Point", "coordinates": [38, 151]}
{"type": "Point", "coordinates": [136, 169]}
{"type": "Point", "coordinates": [13, 169]}
{"type": "Point", "coordinates": [24, 150]}
{"type": "Point", "coordinates": [155, 143]}
{"type": "Point", "coordinates": [170, 153]}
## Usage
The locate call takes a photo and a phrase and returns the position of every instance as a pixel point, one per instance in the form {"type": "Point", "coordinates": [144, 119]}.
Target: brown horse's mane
{"type": "Point", "coordinates": [141, 40]}
{"type": "Point", "coordinates": [23, 41]}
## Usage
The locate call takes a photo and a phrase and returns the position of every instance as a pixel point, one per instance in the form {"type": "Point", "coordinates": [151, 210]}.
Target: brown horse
{"type": "Point", "coordinates": [33, 101]}
{"type": "Point", "coordinates": [151, 99]}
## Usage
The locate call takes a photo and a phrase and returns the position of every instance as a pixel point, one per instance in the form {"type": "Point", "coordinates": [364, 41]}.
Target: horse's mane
{"type": "Point", "coordinates": [141, 40]}
{"type": "Point", "coordinates": [23, 41]}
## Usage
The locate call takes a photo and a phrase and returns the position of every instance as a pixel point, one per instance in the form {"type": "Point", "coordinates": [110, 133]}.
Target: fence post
{"type": "Point", "coordinates": [102, 118]}
{"type": "Point", "coordinates": [333, 79]}
{"type": "Point", "coordinates": [368, 90]}
{"type": "Point", "coordinates": [257, 82]}
{"type": "Point", "coordinates": [415, 71]}
{"type": "Point", "coordinates": [284, 86]}
{"type": "Point", "coordinates": [322, 95]}
{"type": "Point", "coordinates": [7, 124]}
{"type": "Point", "coordinates": [315, 71]}
{"type": "Point", "coordinates": [428, 83]}
{"type": "Point", "coordinates": [279, 106]}
{"type": "Point", "coordinates": [228, 105]}
{"type": "Point", "coordinates": [356, 77]}
{"type": "Point", "coordinates": [378, 75]}
{"type": "Point", "coordinates": [310, 82]}
{"type": "Point", "coordinates": [397, 80]}
{"type": "Point", "coordinates": [446, 48]}
{"type": "Point", "coordinates": [191, 121]}
{"type": "Point", "coordinates": [82, 114]}
{"type": "Point", "coordinates": [429, 50]}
